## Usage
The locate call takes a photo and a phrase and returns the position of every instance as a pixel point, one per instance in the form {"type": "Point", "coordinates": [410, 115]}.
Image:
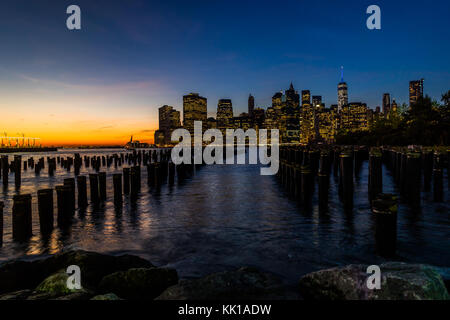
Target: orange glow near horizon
{"type": "Point", "coordinates": [86, 116]}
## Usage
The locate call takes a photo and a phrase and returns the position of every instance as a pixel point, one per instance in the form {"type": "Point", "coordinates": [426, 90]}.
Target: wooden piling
{"type": "Point", "coordinates": [384, 209]}
{"type": "Point", "coordinates": [17, 170]}
{"type": "Point", "coordinates": [21, 217]}
{"type": "Point", "coordinates": [323, 189]}
{"type": "Point", "coordinates": [45, 209]}
{"type": "Point", "coordinates": [65, 210]}
{"type": "Point", "coordinates": [126, 180]}
{"type": "Point", "coordinates": [93, 182]}
{"type": "Point", "coordinates": [5, 170]}
{"type": "Point", "coordinates": [346, 179]}
{"type": "Point", "coordinates": [70, 182]}
{"type": "Point", "coordinates": [413, 178]}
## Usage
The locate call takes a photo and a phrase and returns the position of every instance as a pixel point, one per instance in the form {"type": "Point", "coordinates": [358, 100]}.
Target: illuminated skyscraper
{"type": "Point", "coordinates": [316, 101]}
{"type": "Point", "coordinates": [415, 91]}
{"type": "Point", "coordinates": [169, 120]}
{"type": "Point", "coordinates": [386, 105]}
{"type": "Point", "coordinates": [306, 97]}
{"type": "Point", "coordinates": [342, 92]}
{"type": "Point", "coordinates": [292, 97]}
{"type": "Point", "coordinates": [194, 109]}
{"type": "Point", "coordinates": [224, 114]}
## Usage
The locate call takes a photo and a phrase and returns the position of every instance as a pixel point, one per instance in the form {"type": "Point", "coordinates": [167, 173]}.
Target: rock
{"type": "Point", "coordinates": [108, 296]}
{"type": "Point", "coordinates": [17, 295]}
{"type": "Point", "coordinates": [17, 274]}
{"type": "Point", "coordinates": [244, 283]}
{"type": "Point", "coordinates": [139, 283]}
{"type": "Point", "coordinates": [55, 285]}
{"type": "Point", "coordinates": [399, 281]}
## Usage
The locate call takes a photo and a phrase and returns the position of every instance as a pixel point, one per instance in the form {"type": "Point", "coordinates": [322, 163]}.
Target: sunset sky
{"type": "Point", "coordinates": [105, 82]}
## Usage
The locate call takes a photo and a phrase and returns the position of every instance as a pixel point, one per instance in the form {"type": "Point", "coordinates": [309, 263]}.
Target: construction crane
{"type": "Point", "coordinates": [20, 141]}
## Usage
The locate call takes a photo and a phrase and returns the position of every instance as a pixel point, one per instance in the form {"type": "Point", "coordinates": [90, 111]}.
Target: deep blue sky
{"type": "Point", "coordinates": [138, 55]}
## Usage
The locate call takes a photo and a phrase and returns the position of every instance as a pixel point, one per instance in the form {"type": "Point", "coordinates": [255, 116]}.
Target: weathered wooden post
{"type": "Point", "coordinates": [70, 182]}
{"type": "Point", "coordinates": [5, 169]}
{"type": "Point", "coordinates": [21, 217]}
{"type": "Point", "coordinates": [157, 175]}
{"type": "Point", "coordinates": [117, 182]}
{"type": "Point", "coordinates": [385, 209]}
{"type": "Point", "coordinates": [93, 181]}
{"type": "Point", "coordinates": [102, 185]}
{"type": "Point", "coordinates": [82, 191]}
{"type": "Point", "coordinates": [17, 170]}
{"type": "Point", "coordinates": [65, 211]}
{"type": "Point", "coordinates": [323, 190]}
{"type": "Point", "coordinates": [413, 175]}
{"type": "Point", "coordinates": [126, 180]}
{"type": "Point", "coordinates": [346, 174]}
{"type": "Point", "coordinates": [45, 209]}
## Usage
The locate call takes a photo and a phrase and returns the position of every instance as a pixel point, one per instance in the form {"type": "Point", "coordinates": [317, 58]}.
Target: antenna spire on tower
{"type": "Point", "coordinates": [342, 73]}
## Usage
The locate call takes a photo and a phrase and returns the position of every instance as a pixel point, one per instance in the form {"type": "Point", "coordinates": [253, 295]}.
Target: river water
{"type": "Point", "coordinates": [227, 216]}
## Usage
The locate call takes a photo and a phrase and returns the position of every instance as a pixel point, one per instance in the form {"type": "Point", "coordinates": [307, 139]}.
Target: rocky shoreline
{"type": "Point", "coordinates": [108, 277]}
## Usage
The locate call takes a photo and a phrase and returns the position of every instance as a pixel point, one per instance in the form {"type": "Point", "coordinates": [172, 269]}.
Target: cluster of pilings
{"type": "Point", "coordinates": [302, 167]}
{"type": "Point", "coordinates": [416, 169]}
{"type": "Point", "coordinates": [73, 194]}
{"type": "Point", "coordinates": [299, 167]}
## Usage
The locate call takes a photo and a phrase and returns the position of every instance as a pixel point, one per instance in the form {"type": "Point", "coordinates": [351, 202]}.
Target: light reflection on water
{"type": "Point", "coordinates": [227, 216]}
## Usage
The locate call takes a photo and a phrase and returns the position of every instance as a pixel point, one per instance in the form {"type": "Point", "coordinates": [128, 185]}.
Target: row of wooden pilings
{"type": "Point", "coordinates": [416, 170]}
{"type": "Point", "coordinates": [299, 167]}
{"type": "Point", "coordinates": [96, 162]}
{"type": "Point", "coordinates": [73, 194]}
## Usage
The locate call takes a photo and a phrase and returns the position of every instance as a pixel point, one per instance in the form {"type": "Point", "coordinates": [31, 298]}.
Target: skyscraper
{"type": "Point", "coordinates": [386, 105]}
{"type": "Point", "coordinates": [342, 92]}
{"type": "Point", "coordinates": [224, 114]}
{"type": "Point", "coordinates": [169, 120]}
{"type": "Point", "coordinates": [292, 97]}
{"type": "Point", "coordinates": [316, 101]}
{"type": "Point", "coordinates": [194, 109]}
{"type": "Point", "coordinates": [415, 91]}
{"type": "Point", "coordinates": [306, 97]}
{"type": "Point", "coordinates": [251, 106]}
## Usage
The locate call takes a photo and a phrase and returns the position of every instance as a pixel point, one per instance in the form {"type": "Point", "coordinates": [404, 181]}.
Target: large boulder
{"type": "Point", "coordinates": [17, 274]}
{"type": "Point", "coordinates": [399, 281]}
{"type": "Point", "coordinates": [55, 287]}
{"type": "Point", "coordinates": [244, 283]}
{"type": "Point", "coordinates": [139, 283]}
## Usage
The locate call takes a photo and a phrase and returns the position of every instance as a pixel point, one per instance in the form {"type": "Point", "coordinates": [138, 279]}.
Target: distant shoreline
{"type": "Point", "coordinates": [15, 150]}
